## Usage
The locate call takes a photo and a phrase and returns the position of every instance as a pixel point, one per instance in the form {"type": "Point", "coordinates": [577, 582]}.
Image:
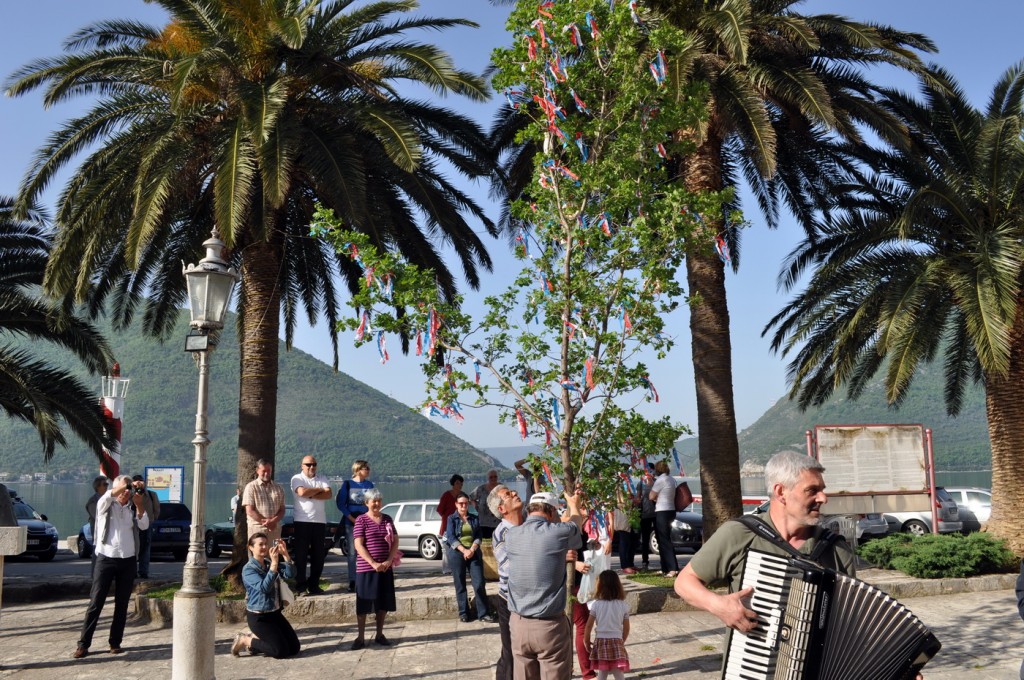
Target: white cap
{"type": "Point", "coordinates": [544, 497]}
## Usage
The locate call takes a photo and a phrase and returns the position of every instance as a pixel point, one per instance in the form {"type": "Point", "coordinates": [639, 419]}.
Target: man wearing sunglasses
{"type": "Point", "coordinates": [310, 490]}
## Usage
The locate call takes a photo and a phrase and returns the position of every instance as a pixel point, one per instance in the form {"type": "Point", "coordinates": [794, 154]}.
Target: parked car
{"type": "Point", "coordinates": [974, 504]}
{"type": "Point", "coordinates": [168, 534]}
{"type": "Point", "coordinates": [871, 525]}
{"type": "Point", "coordinates": [920, 523]}
{"type": "Point", "coordinates": [221, 536]}
{"type": "Point", "coordinates": [417, 523]}
{"type": "Point", "coordinates": [42, 536]}
{"type": "Point", "coordinates": [687, 531]}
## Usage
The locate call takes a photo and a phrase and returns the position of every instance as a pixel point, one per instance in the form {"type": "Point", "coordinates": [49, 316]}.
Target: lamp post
{"type": "Point", "coordinates": [209, 288]}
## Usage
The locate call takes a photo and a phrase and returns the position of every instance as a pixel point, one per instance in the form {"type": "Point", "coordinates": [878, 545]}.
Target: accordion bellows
{"type": "Point", "coordinates": [818, 624]}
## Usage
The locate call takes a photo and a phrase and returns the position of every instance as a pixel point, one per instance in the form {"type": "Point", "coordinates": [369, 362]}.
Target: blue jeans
{"type": "Point", "coordinates": [475, 564]}
{"type": "Point", "coordinates": [624, 543]}
{"type": "Point", "coordinates": [145, 539]}
{"type": "Point", "coordinates": [350, 541]}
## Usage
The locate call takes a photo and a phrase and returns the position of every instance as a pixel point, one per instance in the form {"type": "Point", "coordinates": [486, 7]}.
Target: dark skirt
{"type": "Point", "coordinates": [375, 591]}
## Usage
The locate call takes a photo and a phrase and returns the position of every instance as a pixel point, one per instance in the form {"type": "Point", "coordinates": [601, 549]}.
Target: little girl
{"type": "Point", "coordinates": [609, 613]}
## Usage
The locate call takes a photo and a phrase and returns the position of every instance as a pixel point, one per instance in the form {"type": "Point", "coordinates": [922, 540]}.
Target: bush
{"type": "Point", "coordinates": [941, 556]}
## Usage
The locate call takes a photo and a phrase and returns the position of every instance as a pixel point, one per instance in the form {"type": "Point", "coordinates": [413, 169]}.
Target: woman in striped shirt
{"type": "Point", "coordinates": [376, 543]}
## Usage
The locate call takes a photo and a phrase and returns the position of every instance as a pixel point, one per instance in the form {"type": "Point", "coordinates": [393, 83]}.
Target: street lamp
{"type": "Point", "coordinates": [209, 288]}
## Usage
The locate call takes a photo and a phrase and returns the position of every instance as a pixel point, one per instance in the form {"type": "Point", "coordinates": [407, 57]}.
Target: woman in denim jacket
{"type": "Point", "coordinates": [271, 635]}
{"type": "Point", "coordinates": [462, 537]}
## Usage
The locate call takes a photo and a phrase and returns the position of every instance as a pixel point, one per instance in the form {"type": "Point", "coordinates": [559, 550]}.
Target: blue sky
{"type": "Point", "coordinates": [977, 42]}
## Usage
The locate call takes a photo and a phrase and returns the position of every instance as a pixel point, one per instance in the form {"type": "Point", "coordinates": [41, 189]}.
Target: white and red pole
{"type": "Point", "coordinates": [114, 390]}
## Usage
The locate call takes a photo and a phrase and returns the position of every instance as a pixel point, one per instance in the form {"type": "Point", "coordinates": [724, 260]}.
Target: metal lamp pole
{"type": "Point", "coordinates": [209, 288]}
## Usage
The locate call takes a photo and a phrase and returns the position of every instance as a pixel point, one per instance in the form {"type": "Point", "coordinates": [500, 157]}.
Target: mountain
{"type": "Point", "coordinates": [320, 412]}
{"type": "Point", "coordinates": [959, 443]}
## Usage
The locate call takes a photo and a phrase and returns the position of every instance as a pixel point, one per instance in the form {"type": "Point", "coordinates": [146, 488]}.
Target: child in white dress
{"type": "Point", "coordinates": [609, 618]}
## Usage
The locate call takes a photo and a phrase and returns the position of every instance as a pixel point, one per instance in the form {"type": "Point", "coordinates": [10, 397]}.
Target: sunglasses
{"type": "Point", "coordinates": [309, 465]}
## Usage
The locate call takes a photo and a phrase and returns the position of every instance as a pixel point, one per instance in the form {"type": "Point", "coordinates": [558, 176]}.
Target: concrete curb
{"type": "Point", "coordinates": [439, 602]}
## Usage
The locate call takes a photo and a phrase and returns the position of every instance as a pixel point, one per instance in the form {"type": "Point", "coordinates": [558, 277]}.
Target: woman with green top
{"type": "Point", "coordinates": [462, 538]}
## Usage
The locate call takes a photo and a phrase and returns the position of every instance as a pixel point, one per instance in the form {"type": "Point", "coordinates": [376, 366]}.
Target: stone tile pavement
{"type": "Point", "coordinates": [981, 633]}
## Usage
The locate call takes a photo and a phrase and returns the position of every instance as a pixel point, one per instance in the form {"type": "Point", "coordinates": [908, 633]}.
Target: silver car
{"type": "Point", "coordinates": [871, 525]}
{"type": "Point", "coordinates": [975, 506]}
{"type": "Point", "coordinates": [920, 523]}
{"type": "Point", "coordinates": [417, 523]}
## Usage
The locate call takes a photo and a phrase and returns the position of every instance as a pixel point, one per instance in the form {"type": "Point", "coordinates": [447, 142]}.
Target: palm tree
{"type": "Point", "coordinates": [783, 87]}
{"type": "Point", "coordinates": [243, 115]}
{"type": "Point", "coordinates": [31, 389]}
{"type": "Point", "coordinates": [926, 262]}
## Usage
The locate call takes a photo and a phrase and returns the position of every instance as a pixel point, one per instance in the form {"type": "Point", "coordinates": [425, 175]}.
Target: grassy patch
{"type": "Point", "coordinates": [221, 587]}
{"type": "Point", "coordinates": [652, 579]}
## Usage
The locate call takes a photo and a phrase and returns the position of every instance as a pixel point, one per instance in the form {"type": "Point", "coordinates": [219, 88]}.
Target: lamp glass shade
{"type": "Point", "coordinates": [209, 290]}
{"type": "Point", "coordinates": [115, 387]}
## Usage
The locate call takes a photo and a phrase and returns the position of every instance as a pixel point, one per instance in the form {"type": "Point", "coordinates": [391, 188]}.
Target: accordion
{"type": "Point", "coordinates": [815, 623]}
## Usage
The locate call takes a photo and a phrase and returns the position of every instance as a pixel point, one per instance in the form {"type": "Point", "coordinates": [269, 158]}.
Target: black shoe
{"type": "Point", "coordinates": [464, 618]}
{"type": "Point", "coordinates": [351, 586]}
{"type": "Point", "coordinates": [381, 640]}
{"type": "Point", "coordinates": [316, 591]}
{"type": "Point", "coordinates": [357, 645]}
{"type": "Point", "coordinates": [488, 618]}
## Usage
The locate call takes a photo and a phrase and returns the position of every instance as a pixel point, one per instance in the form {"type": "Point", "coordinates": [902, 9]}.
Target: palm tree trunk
{"type": "Point", "coordinates": [258, 342]}
{"type": "Point", "coordinates": [1004, 406]}
{"type": "Point", "coordinates": [712, 353]}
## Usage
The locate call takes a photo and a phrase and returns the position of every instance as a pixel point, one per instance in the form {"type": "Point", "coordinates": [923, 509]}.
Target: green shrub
{"type": "Point", "coordinates": [941, 556]}
{"type": "Point", "coordinates": [881, 551]}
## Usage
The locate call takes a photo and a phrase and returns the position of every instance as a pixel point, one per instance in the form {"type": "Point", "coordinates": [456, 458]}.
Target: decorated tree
{"type": "Point", "coordinates": [561, 353]}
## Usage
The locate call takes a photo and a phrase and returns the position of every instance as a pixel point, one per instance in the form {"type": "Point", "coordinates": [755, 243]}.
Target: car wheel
{"type": "Point", "coordinates": [83, 548]}
{"type": "Point", "coordinates": [212, 549]}
{"type": "Point", "coordinates": [430, 548]}
{"type": "Point", "coordinates": [916, 527]}
{"type": "Point", "coordinates": [47, 556]}
{"type": "Point", "coordinates": [653, 543]}
{"type": "Point", "coordinates": [180, 555]}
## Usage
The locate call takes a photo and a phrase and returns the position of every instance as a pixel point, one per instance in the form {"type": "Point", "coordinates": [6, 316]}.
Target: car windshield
{"type": "Point", "coordinates": [942, 494]}
{"type": "Point", "coordinates": [175, 511]}
{"type": "Point", "coordinates": [23, 511]}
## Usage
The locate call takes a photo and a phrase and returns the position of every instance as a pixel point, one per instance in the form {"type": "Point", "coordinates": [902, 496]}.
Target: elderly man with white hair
{"type": "Point", "coordinates": [120, 516]}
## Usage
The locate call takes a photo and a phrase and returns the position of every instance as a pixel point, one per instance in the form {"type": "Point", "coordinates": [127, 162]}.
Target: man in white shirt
{"type": "Point", "coordinates": [119, 518]}
{"type": "Point", "coordinates": [310, 490]}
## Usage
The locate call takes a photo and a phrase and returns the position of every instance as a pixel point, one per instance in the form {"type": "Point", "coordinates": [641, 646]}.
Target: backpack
{"type": "Point", "coordinates": [683, 496]}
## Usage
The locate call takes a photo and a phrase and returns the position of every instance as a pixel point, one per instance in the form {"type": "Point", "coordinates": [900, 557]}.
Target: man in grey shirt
{"type": "Point", "coordinates": [541, 642]}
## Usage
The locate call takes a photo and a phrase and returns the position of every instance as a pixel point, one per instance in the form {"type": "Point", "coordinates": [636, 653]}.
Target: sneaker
{"type": "Point", "coordinates": [488, 618]}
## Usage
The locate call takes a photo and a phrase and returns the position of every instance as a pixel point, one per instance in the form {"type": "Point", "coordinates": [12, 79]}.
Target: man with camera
{"type": "Point", "coordinates": [151, 504]}
{"type": "Point", "coordinates": [119, 518]}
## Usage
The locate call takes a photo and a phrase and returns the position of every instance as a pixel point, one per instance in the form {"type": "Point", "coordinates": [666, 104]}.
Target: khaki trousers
{"type": "Point", "coordinates": [541, 648]}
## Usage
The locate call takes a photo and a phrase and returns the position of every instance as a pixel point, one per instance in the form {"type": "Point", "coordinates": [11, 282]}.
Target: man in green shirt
{"type": "Point", "coordinates": [797, 492]}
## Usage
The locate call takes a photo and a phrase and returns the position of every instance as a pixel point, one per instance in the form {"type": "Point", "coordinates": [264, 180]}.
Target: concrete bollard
{"type": "Point", "coordinates": [13, 538]}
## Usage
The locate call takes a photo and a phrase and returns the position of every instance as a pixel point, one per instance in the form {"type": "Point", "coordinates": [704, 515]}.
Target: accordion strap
{"type": "Point", "coordinates": [825, 539]}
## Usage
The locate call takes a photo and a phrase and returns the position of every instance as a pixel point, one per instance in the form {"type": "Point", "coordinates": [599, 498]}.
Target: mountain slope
{"type": "Point", "coordinates": [320, 412]}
